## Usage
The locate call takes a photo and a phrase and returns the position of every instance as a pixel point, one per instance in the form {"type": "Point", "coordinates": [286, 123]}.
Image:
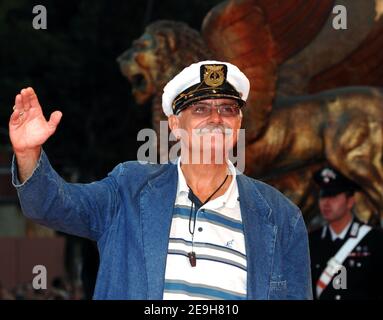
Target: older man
{"type": "Point", "coordinates": [195, 228]}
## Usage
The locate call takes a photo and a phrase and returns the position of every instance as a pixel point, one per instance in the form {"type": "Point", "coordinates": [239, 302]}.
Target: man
{"type": "Point", "coordinates": [184, 230]}
{"type": "Point", "coordinates": [346, 255]}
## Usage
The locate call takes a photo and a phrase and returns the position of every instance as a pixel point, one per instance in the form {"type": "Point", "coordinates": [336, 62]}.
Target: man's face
{"type": "Point", "coordinates": [336, 207]}
{"type": "Point", "coordinates": [208, 127]}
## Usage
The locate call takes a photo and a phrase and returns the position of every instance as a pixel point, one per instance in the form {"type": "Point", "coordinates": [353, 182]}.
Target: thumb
{"type": "Point", "coordinates": [54, 120]}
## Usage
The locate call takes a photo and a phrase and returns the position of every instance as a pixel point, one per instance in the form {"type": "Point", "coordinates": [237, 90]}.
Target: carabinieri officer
{"type": "Point", "coordinates": [346, 254]}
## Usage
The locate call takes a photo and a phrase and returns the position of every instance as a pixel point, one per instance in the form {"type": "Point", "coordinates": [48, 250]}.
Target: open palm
{"type": "Point", "coordinates": [28, 128]}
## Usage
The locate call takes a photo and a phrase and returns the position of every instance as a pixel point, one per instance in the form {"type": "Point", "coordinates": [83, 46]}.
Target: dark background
{"type": "Point", "coordinates": [72, 67]}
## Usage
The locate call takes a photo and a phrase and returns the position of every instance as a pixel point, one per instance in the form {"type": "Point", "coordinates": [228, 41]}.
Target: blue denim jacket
{"type": "Point", "coordinates": [129, 214]}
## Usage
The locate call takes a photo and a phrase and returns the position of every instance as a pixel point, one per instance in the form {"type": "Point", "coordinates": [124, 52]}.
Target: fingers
{"type": "Point", "coordinates": [26, 100]}
{"type": "Point", "coordinates": [18, 111]}
{"type": "Point", "coordinates": [54, 120]}
{"type": "Point", "coordinates": [33, 101]}
{"type": "Point", "coordinates": [14, 120]}
{"type": "Point", "coordinates": [18, 107]}
{"type": "Point", "coordinates": [22, 105]}
{"type": "Point", "coordinates": [25, 95]}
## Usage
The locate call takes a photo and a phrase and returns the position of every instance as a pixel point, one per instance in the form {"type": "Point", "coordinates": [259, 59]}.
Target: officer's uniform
{"type": "Point", "coordinates": [363, 265]}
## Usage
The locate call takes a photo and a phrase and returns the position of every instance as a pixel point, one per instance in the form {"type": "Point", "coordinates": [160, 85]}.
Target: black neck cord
{"type": "Point", "coordinates": [192, 211]}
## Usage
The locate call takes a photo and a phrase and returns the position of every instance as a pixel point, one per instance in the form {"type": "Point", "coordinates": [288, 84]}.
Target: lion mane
{"type": "Point", "coordinates": [165, 48]}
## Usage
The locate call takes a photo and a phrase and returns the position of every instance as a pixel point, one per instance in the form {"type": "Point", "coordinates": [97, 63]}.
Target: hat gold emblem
{"type": "Point", "coordinates": [214, 76]}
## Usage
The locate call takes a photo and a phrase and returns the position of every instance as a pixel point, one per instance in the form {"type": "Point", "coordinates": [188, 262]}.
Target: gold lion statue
{"type": "Point", "coordinates": [305, 109]}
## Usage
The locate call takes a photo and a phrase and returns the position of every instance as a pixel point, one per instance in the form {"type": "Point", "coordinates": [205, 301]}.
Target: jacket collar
{"type": "Point", "coordinates": [157, 199]}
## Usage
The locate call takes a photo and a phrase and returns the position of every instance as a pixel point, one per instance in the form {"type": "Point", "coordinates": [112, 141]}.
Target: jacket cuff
{"type": "Point", "coordinates": [15, 173]}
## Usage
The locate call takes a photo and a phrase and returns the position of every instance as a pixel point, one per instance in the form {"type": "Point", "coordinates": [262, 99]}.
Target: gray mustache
{"type": "Point", "coordinates": [214, 129]}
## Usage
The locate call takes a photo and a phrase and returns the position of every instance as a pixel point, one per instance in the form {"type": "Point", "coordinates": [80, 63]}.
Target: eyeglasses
{"type": "Point", "coordinates": [205, 110]}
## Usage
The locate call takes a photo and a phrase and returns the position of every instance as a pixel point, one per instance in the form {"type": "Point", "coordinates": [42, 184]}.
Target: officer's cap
{"type": "Point", "coordinates": [332, 182]}
{"type": "Point", "coordinates": [205, 80]}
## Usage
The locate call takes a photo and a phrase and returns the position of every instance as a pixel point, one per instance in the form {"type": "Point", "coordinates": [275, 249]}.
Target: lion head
{"type": "Point", "coordinates": [158, 55]}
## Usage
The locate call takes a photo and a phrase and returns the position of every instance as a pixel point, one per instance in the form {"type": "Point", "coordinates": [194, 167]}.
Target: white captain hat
{"type": "Point", "coordinates": [205, 80]}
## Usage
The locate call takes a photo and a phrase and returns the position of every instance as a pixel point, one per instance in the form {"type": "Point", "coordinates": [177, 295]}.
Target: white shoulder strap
{"type": "Point", "coordinates": [335, 263]}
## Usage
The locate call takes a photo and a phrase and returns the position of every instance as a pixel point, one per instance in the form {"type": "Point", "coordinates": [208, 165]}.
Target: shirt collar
{"type": "Point", "coordinates": [228, 199]}
{"type": "Point", "coordinates": [341, 235]}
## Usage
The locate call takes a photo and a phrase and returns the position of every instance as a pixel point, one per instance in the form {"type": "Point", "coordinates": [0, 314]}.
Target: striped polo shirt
{"type": "Point", "coordinates": [219, 245]}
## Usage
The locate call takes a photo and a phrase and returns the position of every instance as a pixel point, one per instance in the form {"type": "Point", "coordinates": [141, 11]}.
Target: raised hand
{"type": "Point", "coordinates": [28, 130]}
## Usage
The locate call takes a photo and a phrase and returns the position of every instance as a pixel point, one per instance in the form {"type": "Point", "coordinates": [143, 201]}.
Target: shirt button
{"type": "Point", "coordinates": [200, 229]}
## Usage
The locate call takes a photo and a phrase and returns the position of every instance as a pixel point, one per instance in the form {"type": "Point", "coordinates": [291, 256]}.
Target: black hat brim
{"type": "Point", "coordinates": [332, 192]}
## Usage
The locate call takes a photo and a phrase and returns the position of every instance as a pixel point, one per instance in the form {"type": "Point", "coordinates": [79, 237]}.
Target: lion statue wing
{"type": "Point", "coordinates": [365, 62]}
{"type": "Point", "coordinates": [290, 48]}
{"type": "Point", "coordinates": [257, 36]}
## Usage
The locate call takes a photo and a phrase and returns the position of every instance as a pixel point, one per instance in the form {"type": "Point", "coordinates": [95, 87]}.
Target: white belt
{"type": "Point", "coordinates": [335, 263]}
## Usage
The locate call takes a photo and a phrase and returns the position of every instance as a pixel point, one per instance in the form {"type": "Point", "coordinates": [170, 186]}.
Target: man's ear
{"type": "Point", "coordinates": [173, 122]}
{"type": "Point", "coordinates": [351, 202]}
